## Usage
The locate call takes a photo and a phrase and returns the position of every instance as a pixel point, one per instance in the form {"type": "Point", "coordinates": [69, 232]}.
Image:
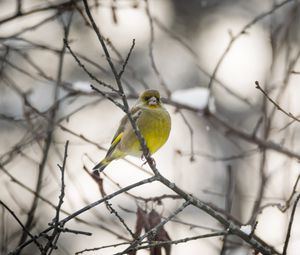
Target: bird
{"type": "Point", "coordinates": [154, 123]}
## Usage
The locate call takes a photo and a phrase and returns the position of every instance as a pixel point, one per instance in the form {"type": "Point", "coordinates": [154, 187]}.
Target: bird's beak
{"type": "Point", "coordinates": [152, 101]}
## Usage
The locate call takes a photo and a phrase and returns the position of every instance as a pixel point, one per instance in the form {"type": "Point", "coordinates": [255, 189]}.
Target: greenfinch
{"type": "Point", "coordinates": [154, 123]}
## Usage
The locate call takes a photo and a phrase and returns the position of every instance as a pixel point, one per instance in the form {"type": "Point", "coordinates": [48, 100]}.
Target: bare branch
{"type": "Point", "coordinates": [23, 227]}
{"type": "Point", "coordinates": [290, 115]}
{"type": "Point", "coordinates": [287, 239]}
{"type": "Point", "coordinates": [51, 243]}
{"type": "Point", "coordinates": [127, 59]}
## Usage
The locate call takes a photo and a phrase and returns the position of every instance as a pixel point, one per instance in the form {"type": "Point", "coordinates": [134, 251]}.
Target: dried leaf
{"type": "Point", "coordinates": [161, 235]}
{"type": "Point", "coordinates": [139, 225]}
{"type": "Point", "coordinates": [148, 221]}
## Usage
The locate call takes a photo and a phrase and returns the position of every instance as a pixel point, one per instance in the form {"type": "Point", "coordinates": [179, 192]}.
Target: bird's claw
{"type": "Point", "coordinates": [148, 158]}
{"type": "Point", "coordinates": [95, 174]}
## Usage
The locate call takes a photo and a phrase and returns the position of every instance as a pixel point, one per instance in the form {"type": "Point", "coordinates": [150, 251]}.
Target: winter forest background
{"type": "Point", "coordinates": [226, 182]}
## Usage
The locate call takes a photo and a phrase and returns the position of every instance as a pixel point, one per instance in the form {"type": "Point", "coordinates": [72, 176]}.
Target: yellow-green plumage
{"type": "Point", "coordinates": [154, 123]}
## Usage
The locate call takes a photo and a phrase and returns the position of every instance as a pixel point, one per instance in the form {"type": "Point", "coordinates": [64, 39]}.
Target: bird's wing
{"type": "Point", "coordinates": [135, 112]}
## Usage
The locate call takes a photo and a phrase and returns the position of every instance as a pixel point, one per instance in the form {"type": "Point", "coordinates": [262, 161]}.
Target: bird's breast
{"type": "Point", "coordinates": [155, 126]}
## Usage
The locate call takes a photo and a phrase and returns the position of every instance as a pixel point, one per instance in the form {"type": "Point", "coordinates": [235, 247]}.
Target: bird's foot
{"type": "Point", "coordinates": [95, 174]}
{"type": "Point", "coordinates": [152, 161]}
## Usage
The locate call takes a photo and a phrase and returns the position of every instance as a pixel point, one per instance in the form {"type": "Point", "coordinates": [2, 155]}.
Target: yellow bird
{"type": "Point", "coordinates": [154, 123]}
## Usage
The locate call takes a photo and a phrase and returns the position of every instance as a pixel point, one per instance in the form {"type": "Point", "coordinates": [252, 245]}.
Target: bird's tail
{"type": "Point", "coordinates": [100, 166]}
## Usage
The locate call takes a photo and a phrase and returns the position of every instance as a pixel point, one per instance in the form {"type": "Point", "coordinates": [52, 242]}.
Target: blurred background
{"type": "Point", "coordinates": [242, 157]}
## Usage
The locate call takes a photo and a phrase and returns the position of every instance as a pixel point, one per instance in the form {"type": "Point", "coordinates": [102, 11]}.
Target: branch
{"type": "Point", "coordinates": [64, 5]}
{"type": "Point", "coordinates": [55, 223]}
{"type": "Point", "coordinates": [286, 243]}
{"type": "Point", "coordinates": [127, 59]}
{"type": "Point", "coordinates": [159, 243]}
{"type": "Point", "coordinates": [254, 139]}
{"type": "Point", "coordinates": [86, 208]}
{"type": "Point", "coordinates": [242, 32]}
{"type": "Point", "coordinates": [228, 224]}
{"type": "Point", "coordinates": [48, 140]}
{"type": "Point", "coordinates": [87, 71]}
{"type": "Point", "coordinates": [21, 224]}
{"type": "Point", "coordinates": [294, 191]}
{"type": "Point", "coordinates": [290, 115]}
{"type": "Point", "coordinates": [154, 230]}
{"type": "Point", "coordinates": [109, 206]}
{"type": "Point", "coordinates": [151, 43]}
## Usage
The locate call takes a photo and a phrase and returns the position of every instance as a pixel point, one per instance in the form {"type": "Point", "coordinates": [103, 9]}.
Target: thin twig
{"type": "Point", "coordinates": [127, 59]}
{"type": "Point", "coordinates": [290, 115]}
{"type": "Point", "coordinates": [287, 239]}
{"type": "Point", "coordinates": [294, 191]}
{"type": "Point", "coordinates": [51, 243]}
{"type": "Point", "coordinates": [191, 130]}
{"type": "Point", "coordinates": [228, 202]}
{"type": "Point", "coordinates": [109, 206]}
{"type": "Point", "coordinates": [87, 71]}
{"type": "Point", "coordinates": [21, 224]}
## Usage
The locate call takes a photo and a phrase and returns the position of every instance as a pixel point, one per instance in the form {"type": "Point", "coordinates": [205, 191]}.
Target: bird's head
{"type": "Point", "coordinates": [150, 98]}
